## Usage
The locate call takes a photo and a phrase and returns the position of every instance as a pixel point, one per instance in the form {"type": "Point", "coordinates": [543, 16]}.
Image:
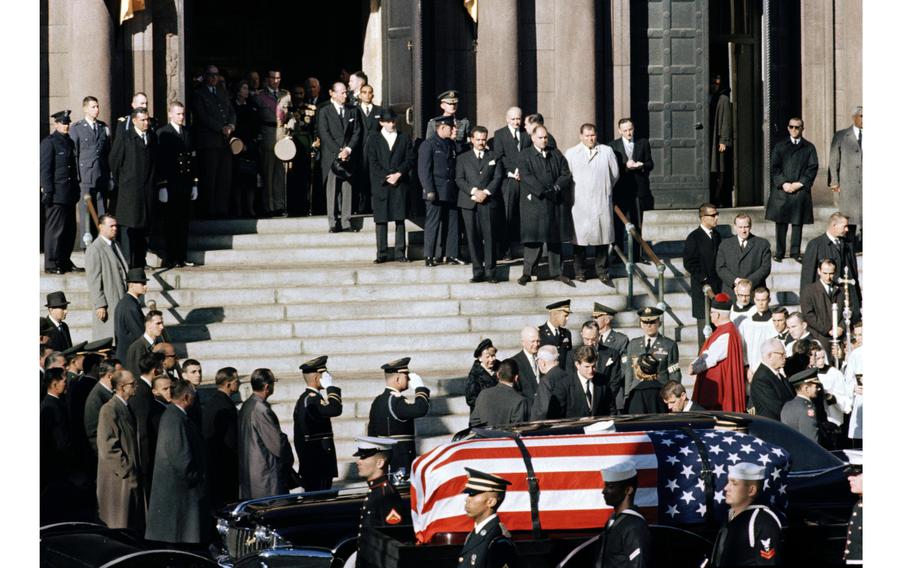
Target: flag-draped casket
{"type": "Point", "coordinates": [681, 476]}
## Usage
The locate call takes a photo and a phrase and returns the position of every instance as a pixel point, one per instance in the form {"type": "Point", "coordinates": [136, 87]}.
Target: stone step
{"type": "Point", "coordinates": [315, 225]}
{"type": "Point", "coordinates": [690, 216]}
{"type": "Point", "coordinates": [324, 240]}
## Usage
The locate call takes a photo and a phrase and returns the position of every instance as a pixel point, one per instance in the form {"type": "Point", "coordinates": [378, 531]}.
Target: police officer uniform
{"type": "Point", "coordinates": [626, 538]}
{"type": "Point", "coordinates": [664, 349]}
{"type": "Point", "coordinates": [489, 544]}
{"type": "Point", "coordinates": [799, 412]}
{"type": "Point", "coordinates": [853, 548]}
{"type": "Point", "coordinates": [392, 415]}
{"type": "Point", "coordinates": [59, 194]}
{"type": "Point", "coordinates": [753, 537]}
{"type": "Point", "coordinates": [462, 125]}
{"type": "Point", "coordinates": [176, 168]}
{"type": "Point", "coordinates": [313, 437]}
{"type": "Point", "coordinates": [615, 339]}
{"type": "Point", "coordinates": [561, 338]}
{"type": "Point", "coordinates": [383, 505]}
{"type": "Point", "coordinates": [436, 170]}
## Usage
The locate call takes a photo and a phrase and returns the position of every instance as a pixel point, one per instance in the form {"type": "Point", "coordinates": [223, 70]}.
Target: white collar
{"type": "Point", "coordinates": [688, 406]}
{"type": "Point", "coordinates": [529, 356]}
{"type": "Point", "coordinates": [91, 122]}
{"type": "Point", "coordinates": [146, 381]}
{"type": "Point", "coordinates": [337, 106]}
{"type": "Point", "coordinates": [857, 131]}
{"type": "Point", "coordinates": [141, 134]}
{"type": "Point", "coordinates": [631, 511]}
{"type": "Point", "coordinates": [483, 523]}
{"type": "Point", "coordinates": [149, 339]}
{"type": "Point", "coordinates": [795, 140]}
{"type": "Point", "coordinates": [178, 406]}
{"type": "Point", "coordinates": [176, 126]}
{"type": "Point", "coordinates": [367, 108]}
{"type": "Point", "coordinates": [106, 240]}
{"type": "Point", "coordinates": [628, 142]}
{"type": "Point", "coordinates": [120, 398]}
{"type": "Point", "coordinates": [552, 329]}
{"type": "Point", "coordinates": [53, 395]}
{"type": "Point", "coordinates": [53, 321]}
{"type": "Point", "coordinates": [478, 153]}
{"type": "Point", "coordinates": [832, 238]}
{"type": "Point", "coordinates": [706, 229]}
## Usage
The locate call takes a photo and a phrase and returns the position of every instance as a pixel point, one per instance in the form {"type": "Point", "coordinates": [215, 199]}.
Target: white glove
{"type": "Point", "coordinates": [416, 380]}
{"type": "Point", "coordinates": [111, 185]}
{"type": "Point", "coordinates": [194, 193]}
{"type": "Point", "coordinates": [326, 379]}
{"type": "Point", "coordinates": [162, 195]}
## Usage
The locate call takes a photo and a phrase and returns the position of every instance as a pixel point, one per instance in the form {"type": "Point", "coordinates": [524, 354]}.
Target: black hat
{"type": "Point", "coordinates": [448, 120]}
{"type": "Point", "coordinates": [316, 365]}
{"type": "Point", "coordinates": [74, 350]}
{"type": "Point", "coordinates": [387, 115]}
{"type": "Point", "coordinates": [100, 346]}
{"type": "Point", "coordinates": [397, 366]}
{"type": "Point", "coordinates": [564, 305]}
{"type": "Point", "coordinates": [649, 314]}
{"type": "Point", "coordinates": [450, 96]}
{"type": "Point", "coordinates": [600, 309]}
{"type": "Point", "coordinates": [482, 346]}
{"type": "Point", "coordinates": [809, 375]}
{"type": "Point", "coordinates": [722, 301]}
{"type": "Point", "coordinates": [480, 482]}
{"type": "Point", "coordinates": [62, 117]}
{"type": "Point", "coordinates": [648, 364]}
{"type": "Point", "coordinates": [56, 300]}
{"type": "Point", "coordinates": [45, 326]}
{"type": "Point", "coordinates": [136, 275]}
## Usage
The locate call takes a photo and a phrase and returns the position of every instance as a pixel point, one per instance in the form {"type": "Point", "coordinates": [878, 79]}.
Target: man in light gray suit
{"type": "Point", "coordinates": [845, 172]}
{"type": "Point", "coordinates": [339, 133]}
{"type": "Point", "coordinates": [105, 273]}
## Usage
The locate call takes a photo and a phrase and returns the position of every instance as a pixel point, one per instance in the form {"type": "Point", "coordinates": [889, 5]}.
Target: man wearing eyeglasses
{"type": "Point", "coordinates": [699, 256]}
{"type": "Point", "coordinates": [769, 387]}
{"type": "Point", "coordinates": [794, 164]}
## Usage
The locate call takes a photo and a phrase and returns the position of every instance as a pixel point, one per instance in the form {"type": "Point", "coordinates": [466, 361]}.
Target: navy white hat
{"type": "Point", "coordinates": [481, 482]}
{"type": "Point", "coordinates": [746, 471]}
{"type": "Point", "coordinates": [371, 445]}
{"type": "Point", "coordinates": [619, 472]}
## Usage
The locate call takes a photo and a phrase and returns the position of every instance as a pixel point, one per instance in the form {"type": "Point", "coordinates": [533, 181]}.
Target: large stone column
{"type": "Point", "coordinates": [90, 56]}
{"type": "Point", "coordinates": [575, 68]}
{"type": "Point", "coordinates": [622, 64]}
{"type": "Point", "coordinates": [817, 32]}
{"type": "Point", "coordinates": [497, 61]}
{"type": "Point", "coordinates": [848, 59]}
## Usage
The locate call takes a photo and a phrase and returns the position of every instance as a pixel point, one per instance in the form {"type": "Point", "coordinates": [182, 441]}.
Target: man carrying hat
{"type": "Point", "coordinates": [720, 383]}
{"type": "Point", "coordinates": [448, 102]}
{"type": "Point", "coordinates": [609, 337]}
{"type": "Point", "coordinates": [59, 195]}
{"type": "Point", "coordinates": [383, 505]}
{"type": "Point", "coordinates": [853, 551]}
{"type": "Point", "coordinates": [129, 321]}
{"type": "Point", "coordinates": [313, 437]}
{"type": "Point", "coordinates": [59, 339]}
{"type": "Point", "coordinates": [392, 415]}
{"type": "Point", "coordinates": [752, 534]}
{"type": "Point", "coordinates": [626, 539]}
{"type": "Point", "coordinates": [799, 412]}
{"type": "Point", "coordinates": [489, 544]}
{"type": "Point", "coordinates": [664, 349]}
{"type": "Point", "coordinates": [553, 331]}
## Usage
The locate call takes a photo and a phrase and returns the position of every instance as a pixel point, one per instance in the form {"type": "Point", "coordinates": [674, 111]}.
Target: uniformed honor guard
{"type": "Point", "coordinates": [176, 183]}
{"type": "Point", "coordinates": [59, 194]}
{"type": "Point", "coordinates": [626, 539]}
{"type": "Point", "coordinates": [662, 348]}
{"type": "Point", "coordinates": [489, 545]}
{"type": "Point", "coordinates": [383, 505]}
{"type": "Point", "coordinates": [313, 437]}
{"type": "Point", "coordinates": [609, 337]}
{"type": "Point", "coordinates": [853, 551]}
{"type": "Point", "coordinates": [448, 102]}
{"type": "Point", "coordinates": [752, 535]}
{"type": "Point", "coordinates": [554, 332]}
{"type": "Point", "coordinates": [392, 415]}
{"type": "Point", "coordinates": [92, 140]}
{"type": "Point", "coordinates": [799, 412]}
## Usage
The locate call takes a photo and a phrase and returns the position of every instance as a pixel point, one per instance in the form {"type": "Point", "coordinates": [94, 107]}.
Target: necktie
{"type": "Point", "coordinates": [517, 139]}
{"type": "Point", "coordinates": [588, 394]}
{"type": "Point", "coordinates": [536, 370]}
{"type": "Point", "coordinates": [93, 128]}
{"type": "Point", "coordinates": [859, 139]}
{"type": "Point", "coordinates": [648, 345]}
{"type": "Point", "coordinates": [144, 140]}
{"type": "Point", "coordinates": [479, 156]}
{"type": "Point", "coordinates": [341, 113]}
{"type": "Point", "coordinates": [742, 245]}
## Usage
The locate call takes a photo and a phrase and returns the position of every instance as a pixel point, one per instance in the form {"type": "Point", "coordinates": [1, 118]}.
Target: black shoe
{"type": "Point", "coordinates": [565, 280]}
{"type": "Point", "coordinates": [644, 261]}
{"type": "Point", "coordinates": [523, 280]}
{"type": "Point", "coordinates": [379, 260]}
{"type": "Point", "coordinates": [53, 271]}
{"type": "Point", "coordinates": [607, 280]}
{"type": "Point", "coordinates": [188, 264]}
{"type": "Point", "coordinates": [777, 258]}
{"type": "Point", "coordinates": [581, 278]}
{"type": "Point", "coordinates": [454, 260]}
{"type": "Point", "coordinates": [491, 278]}
{"type": "Point", "coordinates": [477, 279]}
{"type": "Point", "coordinates": [798, 258]}
{"type": "Point", "coordinates": [430, 261]}
{"type": "Point", "coordinates": [403, 259]}
{"type": "Point", "coordinates": [335, 230]}
{"type": "Point", "coordinates": [74, 268]}
{"type": "Point", "coordinates": [507, 255]}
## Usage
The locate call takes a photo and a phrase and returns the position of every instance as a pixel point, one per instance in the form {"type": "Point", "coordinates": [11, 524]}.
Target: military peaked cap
{"type": "Point", "coordinates": [481, 482]}
{"type": "Point", "coordinates": [316, 365]}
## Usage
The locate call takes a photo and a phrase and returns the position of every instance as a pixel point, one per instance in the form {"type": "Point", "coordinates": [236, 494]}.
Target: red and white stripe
{"type": "Point", "coordinates": [567, 467]}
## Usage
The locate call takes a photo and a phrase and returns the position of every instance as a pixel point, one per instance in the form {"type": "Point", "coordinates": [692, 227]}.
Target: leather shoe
{"type": "Point", "coordinates": [454, 260]}
{"type": "Point", "coordinates": [607, 281]}
{"type": "Point", "coordinates": [53, 271]}
{"type": "Point", "coordinates": [188, 264]}
{"type": "Point", "coordinates": [491, 278]}
{"type": "Point", "coordinates": [335, 230]}
{"type": "Point", "coordinates": [379, 260]}
{"type": "Point", "coordinates": [777, 258]}
{"type": "Point", "coordinates": [430, 261]}
{"type": "Point", "coordinates": [581, 278]}
{"type": "Point", "coordinates": [74, 268]}
{"type": "Point", "coordinates": [403, 259]}
{"type": "Point", "coordinates": [565, 280]}
{"type": "Point", "coordinates": [476, 279]}
{"type": "Point", "coordinates": [798, 258]}
{"type": "Point", "coordinates": [523, 280]}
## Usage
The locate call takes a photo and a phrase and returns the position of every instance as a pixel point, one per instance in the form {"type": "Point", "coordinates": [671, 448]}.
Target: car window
{"type": "Point", "coordinates": [805, 454]}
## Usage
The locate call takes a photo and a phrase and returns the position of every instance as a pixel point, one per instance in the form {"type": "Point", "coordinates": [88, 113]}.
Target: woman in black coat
{"type": "Point", "coordinates": [644, 398]}
{"type": "Point", "coordinates": [246, 163]}
{"type": "Point", "coordinates": [390, 181]}
{"type": "Point", "coordinates": [483, 373]}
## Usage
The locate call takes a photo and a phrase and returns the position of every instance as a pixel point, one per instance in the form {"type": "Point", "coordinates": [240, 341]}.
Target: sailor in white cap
{"type": "Point", "coordinates": [751, 536]}
{"type": "Point", "coordinates": [489, 545]}
{"type": "Point", "coordinates": [626, 539]}
{"type": "Point", "coordinates": [853, 551]}
{"type": "Point", "coordinates": [383, 505]}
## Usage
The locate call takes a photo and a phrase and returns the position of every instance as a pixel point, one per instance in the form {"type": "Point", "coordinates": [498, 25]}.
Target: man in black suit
{"type": "Point", "coordinates": [161, 391]}
{"type": "Point", "coordinates": [674, 396]}
{"type": "Point", "coordinates": [743, 256]}
{"type": "Point", "coordinates": [501, 404]}
{"type": "Point", "coordinates": [56, 451]}
{"type": "Point", "coordinates": [478, 175]}
{"type": "Point", "coordinates": [219, 429]}
{"type": "Point", "coordinates": [526, 359]}
{"type": "Point", "coordinates": [545, 184]}
{"type": "Point", "coordinates": [141, 404]}
{"type": "Point", "coordinates": [154, 328]}
{"type": "Point", "coordinates": [436, 169]}
{"type": "Point", "coordinates": [577, 393]}
{"type": "Point", "coordinates": [769, 388]}
{"type": "Point", "coordinates": [133, 160]}
{"type": "Point", "coordinates": [815, 301]}
{"type": "Point", "coordinates": [59, 194]}
{"type": "Point", "coordinates": [129, 321]}
{"type": "Point", "coordinates": [837, 246]}
{"type": "Point", "coordinates": [534, 120]}
{"type": "Point", "coordinates": [632, 192]}
{"type": "Point", "coordinates": [554, 332]}
{"type": "Point", "coordinates": [215, 119]}
{"type": "Point", "coordinates": [699, 260]}
{"type": "Point", "coordinates": [370, 115]}
{"type": "Point", "coordinates": [312, 92]}
{"type": "Point", "coordinates": [59, 339]}
{"type": "Point", "coordinates": [507, 144]}
{"type": "Point", "coordinates": [340, 133]}
{"type": "Point", "coordinates": [176, 184]}
{"type": "Point", "coordinates": [92, 142]}
{"type": "Point", "coordinates": [609, 362]}
{"type": "Point", "coordinates": [391, 159]}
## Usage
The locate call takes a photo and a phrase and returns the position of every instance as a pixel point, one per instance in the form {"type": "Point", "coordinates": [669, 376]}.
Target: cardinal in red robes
{"type": "Point", "coordinates": [720, 382]}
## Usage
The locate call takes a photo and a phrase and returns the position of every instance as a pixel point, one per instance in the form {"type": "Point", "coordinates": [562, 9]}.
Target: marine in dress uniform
{"type": "Point", "coordinates": [383, 505]}
{"type": "Point", "coordinates": [751, 537]}
{"type": "Point", "coordinates": [626, 539]}
{"type": "Point", "coordinates": [59, 194]}
{"type": "Point", "coordinates": [557, 335]}
{"type": "Point", "coordinates": [664, 349]}
{"type": "Point", "coordinates": [489, 544]}
{"type": "Point", "coordinates": [313, 437]}
{"type": "Point", "coordinates": [853, 548]}
{"type": "Point", "coordinates": [392, 415]}
{"type": "Point", "coordinates": [462, 126]}
{"type": "Point", "coordinates": [436, 170]}
{"type": "Point", "coordinates": [799, 412]}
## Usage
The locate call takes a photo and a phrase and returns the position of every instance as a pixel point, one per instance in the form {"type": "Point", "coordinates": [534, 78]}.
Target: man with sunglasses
{"type": "Point", "coordinates": [699, 257]}
{"type": "Point", "coordinates": [794, 164]}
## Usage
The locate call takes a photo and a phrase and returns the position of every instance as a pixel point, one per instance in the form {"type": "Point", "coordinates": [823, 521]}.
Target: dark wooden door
{"type": "Point", "coordinates": [398, 51]}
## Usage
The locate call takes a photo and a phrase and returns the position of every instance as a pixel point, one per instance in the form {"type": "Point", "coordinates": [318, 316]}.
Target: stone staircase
{"type": "Point", "coordinates": [273, 293]}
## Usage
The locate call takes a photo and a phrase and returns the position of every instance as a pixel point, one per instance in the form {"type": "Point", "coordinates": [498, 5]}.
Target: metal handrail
{"type": "Point", "coordinates": [630, 260]}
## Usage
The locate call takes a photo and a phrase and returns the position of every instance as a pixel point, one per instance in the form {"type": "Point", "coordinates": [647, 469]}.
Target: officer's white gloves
{"type": "Point", "coordinates": [326, 379]}
{"type": "Point", "coordinates": [162, 195]}
{"type": "Point", "coordinates": [194, 193]}
{"type": "Point", "coordinates": [416, 380]}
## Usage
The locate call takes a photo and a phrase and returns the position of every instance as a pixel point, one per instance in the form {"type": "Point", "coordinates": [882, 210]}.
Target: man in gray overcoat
{"type": "Point", "coordinates": [105, 271]}
{"type": "Point", "coordinates": [794, 164]}
{"type": "Point", "coordinates": [178, 506]}
{"type": "Point", "coordinates": [265, 453]}
{"type": "Point", "coordinates": [121, 497]}
{"type": "Point", "coordinates": [845, 172]}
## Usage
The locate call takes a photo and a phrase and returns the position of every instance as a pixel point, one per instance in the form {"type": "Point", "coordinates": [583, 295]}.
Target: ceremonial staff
{"type": "Point", "coordinates": [847, 282]}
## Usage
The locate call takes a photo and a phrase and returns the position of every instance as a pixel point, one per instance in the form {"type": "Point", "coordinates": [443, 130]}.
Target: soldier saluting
{"type": "Point", "coordinates": [392, 415]}
{"type": "Point", "coordinates": [313, 437]}
{"type": "Point", "coordinates": [489, 544]}
{"type": "Point", "coordinates": [662, 348]}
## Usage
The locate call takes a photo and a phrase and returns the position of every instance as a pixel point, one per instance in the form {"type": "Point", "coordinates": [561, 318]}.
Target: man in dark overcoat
{"type": "Point", "coordinates": [794, 164]}
{"type": "Point", "coordinates": [507, 144]}
{"type": "Point", "coordinates": [478, 175]}
{"type": "Point", "coordinates": [391, 159]}
{"type": "Point", "coordinates": [699, 257]}
{"type": "Point", "coordinates": [219, 430]}
{"type": "Point", "coordinates": [340, 133]}
{"type": "Point", "coordinates": [545, 185]}
{"type": "Point", "coordinates": [133, 165]}
{"type": "Point", "coordinates": [129, 321]}
{"type": "Point", "coordinates": [59, 194]}
{"type": "Point", "coordinates": [215, 119]}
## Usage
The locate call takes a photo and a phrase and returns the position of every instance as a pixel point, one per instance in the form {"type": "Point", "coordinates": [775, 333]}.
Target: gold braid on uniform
{"type": "Point", "coordinates": [673, 368]}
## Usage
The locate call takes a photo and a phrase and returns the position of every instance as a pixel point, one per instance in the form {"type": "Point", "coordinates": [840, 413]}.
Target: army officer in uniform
{"type": "Point", "coordinates": [799, 412]}
{"type": "Point", "coordinates": [662, 348]}
{"type": "Point", "coordinates": [383, 505]}
{"type": "Point", "coordinates": [554, 332]}
{"type": "Point", "coordinates": [609, 337]}
{"type": "Point", "coordinates": [626, 539]}
{"type": "Point", "coordinates": [489, 545]}
{"type": "Point", "coordinates": [313, 437]}
{"type": "Point", "coordinates": [392, 415]}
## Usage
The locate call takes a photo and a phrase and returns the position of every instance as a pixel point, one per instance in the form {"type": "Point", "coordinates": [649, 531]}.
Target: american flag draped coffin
{"type": "Point", "coordinates": [681, 476]}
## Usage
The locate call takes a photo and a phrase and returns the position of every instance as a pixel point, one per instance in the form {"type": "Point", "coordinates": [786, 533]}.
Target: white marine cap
{"type": "Point", "coordinates": [369, 445]}
{"type": "Point", "coordinates": [746, 471]}
{"type": "Point", "coordinates": [619, 472]}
